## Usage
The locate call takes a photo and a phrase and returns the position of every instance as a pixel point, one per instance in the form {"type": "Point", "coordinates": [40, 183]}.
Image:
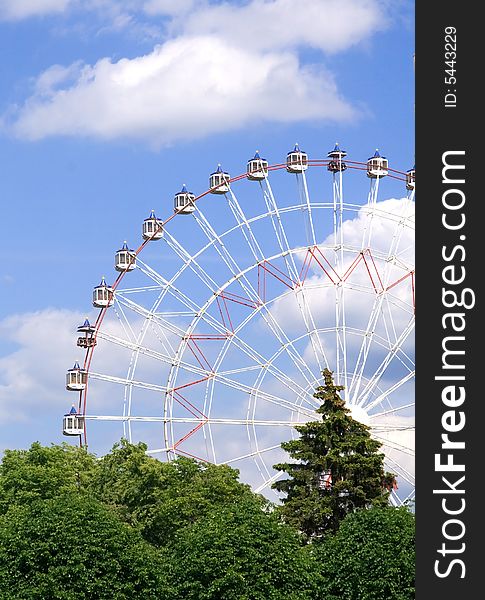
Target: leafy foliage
{"type": "Point", "coordinates": [160, 498]}
{"type": "Point", "coordinates": [130, 526]}
{"type": "Point", "coordinates": [371, 557]}
{"type": "Point", "coordinates": [73, 547]}
{"type": "Point", "coordinates": [339, 468]}
{"type": "Point", "coordinates": [44, 472]}
{"type": "Point", "coordinates": [241, 553]}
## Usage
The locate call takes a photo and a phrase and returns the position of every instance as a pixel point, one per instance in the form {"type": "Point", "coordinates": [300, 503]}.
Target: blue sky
{"type": "Point", "coordinates": [107, 107]}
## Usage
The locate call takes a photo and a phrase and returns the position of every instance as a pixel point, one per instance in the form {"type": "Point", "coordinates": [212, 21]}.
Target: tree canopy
{"type": "Point", "coordinates": [72, 547]}
{"type": "Point", "coordinates": [240, 553]}
{"type": "Point", "coordinates": [73, 526]}
{"type": "Point", "coordinates": [339, 467]}
{"type": "Point", "coordinates": [371, 557]}
{"type": "Point", "coordinates": [44, 472]}
{"type": "Point", "coordinates": [161, 497]}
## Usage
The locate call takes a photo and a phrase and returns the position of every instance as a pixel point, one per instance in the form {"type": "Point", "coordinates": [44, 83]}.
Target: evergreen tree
{"type": "Point", "coordinates": [339, 467]}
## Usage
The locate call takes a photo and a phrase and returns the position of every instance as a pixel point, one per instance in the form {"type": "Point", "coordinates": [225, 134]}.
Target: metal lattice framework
{"type": "Point", "coordinates": [220, 329]}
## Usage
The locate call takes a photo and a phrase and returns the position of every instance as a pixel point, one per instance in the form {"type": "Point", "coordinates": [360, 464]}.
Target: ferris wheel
{"type": "Point", "coordinates": [212, 338]}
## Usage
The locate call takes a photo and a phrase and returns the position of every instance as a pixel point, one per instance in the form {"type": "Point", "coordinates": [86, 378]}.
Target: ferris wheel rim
{"type": "Point", "coordinates": [311, 163]}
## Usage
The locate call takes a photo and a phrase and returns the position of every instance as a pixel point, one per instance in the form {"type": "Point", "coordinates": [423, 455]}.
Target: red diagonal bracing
{"type": "Point", "coordinates": [370, 261]}
{"type": "Point", "coordinates": [199, 356]}
{"type": "Point", "coordinates": [193, 410]}
{"type": "Point", "coordinates": [409, 275]}
{"type": "Point", "coordinates": [189, 434]}
{"type": "Point", "coordinates": [186, 385]}
{"type": "Point", "coordinates": [315, 254]}
{"type": "Point", "coordinates": [223, 300]}
{"type": "Point", "coordinates": [182, 400]}
{"type": "Point", "coordinates": [243, 300]}
{"type": "Point", "coordinates": [224, 314]}
{"type": "Point", "coordinates": [365, 256]}
{"type": "Point", "coordinates": [267, 267]}
{"type": "Point", "coordinates": [208, 336]}
{"type": "Point", "coordinates": [178, 451]}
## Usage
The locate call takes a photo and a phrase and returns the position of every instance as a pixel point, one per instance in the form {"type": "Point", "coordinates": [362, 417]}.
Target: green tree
{"type": "Point", "coordinates": [44, 472]}
{"type": "Point", "coordinates": [241, 553]}
{"type": "Point", "coordinates": [159, 497]}
{"type": "Point", "coordinates": [371, 557]}
{"type": "Point", "coordinates": [74, 548]}
{"type": "Point", "coordinates": [339, 468]}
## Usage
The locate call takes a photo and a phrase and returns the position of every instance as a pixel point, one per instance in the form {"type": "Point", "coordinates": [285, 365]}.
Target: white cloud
{"type": "Point", "coordinates": [385, 241]}
{"type": "Point", "coordinates": [33, 398]}
{"type": "Point", "coordinates": [46, 83]}
{"type": "Point", "coordinates": [329, 25]}
{"type": "Point", "coordinates": [360, 298]}
{"type": "Point", "coordinates": [32, 375]}
{"type": "Point", "coordinates": [222, 67]}
{"type": "Point", "coordinates": [187, 88]}
{"type": "Point", "coordinates": [169, 7]}
{"type": "Point", "coordinates": [15, 10]}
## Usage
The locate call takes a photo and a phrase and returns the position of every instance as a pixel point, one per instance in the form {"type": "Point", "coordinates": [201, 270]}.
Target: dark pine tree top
{"type": "Point", "coordinates": [339, 467]}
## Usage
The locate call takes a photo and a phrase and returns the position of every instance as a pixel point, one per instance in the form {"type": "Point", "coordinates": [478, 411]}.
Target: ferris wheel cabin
{"type": "Point", "coordinates": [257, 168]}
{"type": "Point", "coordinates": [76, 378]}
{"type": "Point", "coordinates": [411, 179]}
{"type": "Point", "coordinates": [219, 181]}
{"type": "Point", "coordinates": [377, 166]}
{"type": "Point", "coordinates": [103, 295]}
{"type": "Point", "coordinates": [296, 160]}
{"type": "Point", "coordinates": [125, 259]}
{"type": "Point", "coordinates": [325, 480]}
{"type": "Point", "coordinates": [87, 340]}
{"type": "Point", "coordinates": [73, 423]}
{"type": "Point", "coordinates": [336, 163]}
{"type": "Point", "coordinates": [183, 202]}
{"type": "Point", "coordinates": [152, 228]}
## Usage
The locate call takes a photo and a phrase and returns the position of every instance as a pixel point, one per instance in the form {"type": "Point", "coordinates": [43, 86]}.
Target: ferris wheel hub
{"type": "Point", "coordinates": [359, 414]}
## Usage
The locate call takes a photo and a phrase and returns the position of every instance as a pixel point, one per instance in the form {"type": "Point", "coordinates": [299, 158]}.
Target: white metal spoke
{"type": "Point", "coordinates": [218, 327]}
{"type": "Point", "coordinates": [248, 289]}
{"type": "Point", "coordinates": [282, 243]}
{"type": "Point", "coordinates": [250, 454]}
{"type": "Point", "coordinates": [388, 428]}
{"type": "Point", "coordinates": [244, 226]}
{"type": "Point", "coordinates": [220, 377]}
{"type": "Point", "coordinates": [263, 395]}
{"type": "Point", "coordinates": [195, 421]}
{"type": "Point", "coordinates": [123, 381]}
{"type": "Point", "coordinates": [371, 204]}
{"type": "Point", "coordinates": [189, 261]}
{"type": "Point", "coordinates": [268, 482]}
{"type": "Point", "coordinates": [278, 229]}
{"type": "Point", "coordinates": [284, 247]}
{"type": "Point", "coordinates": [211, 349]}
{"type": "Point", "coordinates": [125, 323]}
{"type": "Point", "coordinates": [404, 473]}
{"type": "Point", "coordinates": [305, 199]}
{"type": "Point", "coordinates": [392, 410]}
{"type": "Point", "coordinates": [367, 344]}
{"type": "Point", "coordinates": [394, 445]}
{"type": "Point", "coordinates": [374, 380]}
{"type": "Point", "coordinates": [377, 307]}
{"type": "Point", "coordinates": [340, 317]}
{"type": "Point", "coordinates": [285, 250]}
{"type": "Point", "coordinates": [381, 397]}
